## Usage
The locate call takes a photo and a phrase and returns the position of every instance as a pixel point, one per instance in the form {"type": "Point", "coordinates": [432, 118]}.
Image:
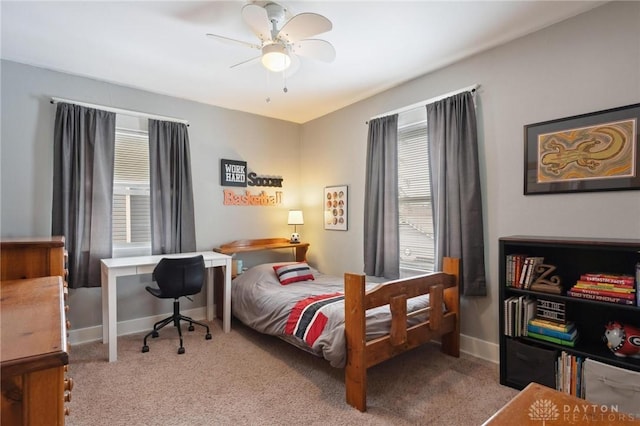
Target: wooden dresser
{"type": "Point", "coordinates": [34, 349]}
{"type": "Point", "coordinates": [34, 352]}
{"type": "Point", "coordinates": [32, 258]}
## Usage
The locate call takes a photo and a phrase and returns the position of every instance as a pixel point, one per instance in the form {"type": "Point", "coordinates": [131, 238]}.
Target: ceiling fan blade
{"type": "Point", "coordinates": [304, 25]}
{"type": "Point", "coordinates": [294, 67]}
{"type": "Point", "coordinates": [320, 50]}
{"type": "Point", "coordinates": [257, 19]}
{"type": "Point", "coordinates": [247, 62]}
{"type": "Point", "coordinates": [234, 41]}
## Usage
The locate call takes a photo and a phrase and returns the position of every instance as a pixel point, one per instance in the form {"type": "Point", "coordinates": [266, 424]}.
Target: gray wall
{"type": "Point", "coordinates": [215, 133]}
{"type": "Point", "coordinates": [585, 64]}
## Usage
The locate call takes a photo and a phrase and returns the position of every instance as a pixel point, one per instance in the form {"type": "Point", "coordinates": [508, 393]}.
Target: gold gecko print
{"type": "Point", "coordinates": [592, 152]}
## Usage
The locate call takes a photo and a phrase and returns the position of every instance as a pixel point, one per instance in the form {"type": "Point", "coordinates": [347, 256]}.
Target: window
{"type": "Point", "coordinates": [414, 195]}
{"type": "Point", "coordinates": [131, 234]}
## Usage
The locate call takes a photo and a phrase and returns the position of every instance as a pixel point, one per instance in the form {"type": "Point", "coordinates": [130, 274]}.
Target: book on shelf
{"type": "Point", "coordinates": [521, 270]}
{"type": "Point", "coordinates": [532, 273]}
{"type": "Point", "coordinates": [552, 339]}
{"type": "Point", "coordinates": [514, 269]}
{"type": "Point", "coordinates": [570, 374]}
{"type": "Point", "coordinates": [592, 285]}
{"type": "Point", "coordinates": [603, 292]}
{"type": "Point", "coordinates": [517, 312]}
{"type": "Point", "coordinates": [564, 328]}
{"type": "Point", "coordinates": [609, 278]}
{"type": "Point", "coordinates": [569, 335]}
{"type": "Point", "coordinates": [600, 298]}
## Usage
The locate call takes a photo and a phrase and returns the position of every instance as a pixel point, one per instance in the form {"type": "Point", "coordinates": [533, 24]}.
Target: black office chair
{"type": "Point", "coordinates": [177, 277]}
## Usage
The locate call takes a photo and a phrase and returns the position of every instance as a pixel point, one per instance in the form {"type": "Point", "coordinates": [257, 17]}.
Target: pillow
{"type": "Point", "coordinates": [293, 272]}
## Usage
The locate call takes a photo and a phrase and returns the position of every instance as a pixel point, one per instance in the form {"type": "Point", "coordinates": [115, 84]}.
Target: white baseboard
{"type": "Point", "coordinates": [92, 334]}
{"type": "Point", "coordinates": [469, 345]}
{"type": "Point", "coordinates": [480, 348]}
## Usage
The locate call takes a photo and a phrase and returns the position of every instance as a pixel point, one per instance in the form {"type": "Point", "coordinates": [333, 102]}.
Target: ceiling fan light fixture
{"type": "Point", "coordinates": [275, 57]}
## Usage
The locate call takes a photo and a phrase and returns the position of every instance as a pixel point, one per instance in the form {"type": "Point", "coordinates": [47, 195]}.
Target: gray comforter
{"type": "Point", "coordinates": [262, 303]}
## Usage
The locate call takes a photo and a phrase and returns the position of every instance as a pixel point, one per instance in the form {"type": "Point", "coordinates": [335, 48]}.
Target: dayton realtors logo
{"type": "Point", "coordinates": [234, 173]}
{"type": "Point", "coordinates": [545, 411]}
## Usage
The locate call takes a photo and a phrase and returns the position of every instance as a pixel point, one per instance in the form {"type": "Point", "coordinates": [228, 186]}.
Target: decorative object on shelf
{"type": "Point", "coordinates": [551, 310]}
{"type": "Point", "coordinates": [544, 282]}
{"type": "Point", "coordinates": [295, 219]}
{"type": "Point", "coordinates": [623, 340]}
{"type": "Point", "coordinates": [336, 208]}
{"type": "Point", "coordinates": [599, 151]}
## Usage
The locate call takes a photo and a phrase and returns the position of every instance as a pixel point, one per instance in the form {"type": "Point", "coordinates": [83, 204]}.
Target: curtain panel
{"type": "Point", "coordinates": [381, 235]}
{"type": "Point", "coordinates": [171, 189]}
{"type": "Point", "coordinates": [455, 181]}
{"type": "Point", "coordinates": [84, 146]}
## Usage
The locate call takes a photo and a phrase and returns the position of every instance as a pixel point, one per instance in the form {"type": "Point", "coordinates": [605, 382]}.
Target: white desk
{"type": "Point", "coordinates": [118, 267]}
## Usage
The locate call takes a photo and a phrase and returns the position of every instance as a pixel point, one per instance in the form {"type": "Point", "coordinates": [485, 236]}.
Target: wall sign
{"type": "Point", "coordinates": [248, 199]}
{"type": "Point", "coordinates": [234, 173]}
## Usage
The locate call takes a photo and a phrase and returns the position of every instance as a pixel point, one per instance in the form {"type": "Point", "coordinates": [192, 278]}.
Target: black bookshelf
{"type": "Point", "coordinates": [573, 257]}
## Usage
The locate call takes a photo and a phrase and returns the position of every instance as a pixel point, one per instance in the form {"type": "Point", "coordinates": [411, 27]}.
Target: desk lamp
{"type": "Point", "coordinates": [295, 218]}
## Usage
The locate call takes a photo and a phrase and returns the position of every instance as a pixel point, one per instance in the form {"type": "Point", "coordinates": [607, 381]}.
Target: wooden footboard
{"type": "Point", "coordinates": [362, 354]}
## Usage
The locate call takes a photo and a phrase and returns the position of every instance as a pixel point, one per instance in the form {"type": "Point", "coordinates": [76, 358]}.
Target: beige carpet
{"type": "Point", "coordinates": [245, 378]}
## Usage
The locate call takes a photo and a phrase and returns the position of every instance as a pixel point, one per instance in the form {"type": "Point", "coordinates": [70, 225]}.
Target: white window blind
{"type": "Point", "coordinates": [414, 199]}
{"type": "Point", "coordinates": [131, 233]}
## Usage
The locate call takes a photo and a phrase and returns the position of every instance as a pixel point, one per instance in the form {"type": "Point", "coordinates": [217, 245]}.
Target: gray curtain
{"type": "Point", "coordinates": [381, 240]}
{"type": "Point", "coordinates": [83, 150]}
{"type": "Point", "coordinates": [455, 180]}
{"type": "Point", "coordinates": [172, 217]}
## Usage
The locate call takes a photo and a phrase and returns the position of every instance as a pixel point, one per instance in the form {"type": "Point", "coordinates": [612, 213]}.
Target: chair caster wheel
{"type": "Point", "coordinates": [154, 334]}
{"type": "Point", "coordinates": [145, 348]}
{"type": "Point", "coordinates": [180, 351]}
{"type": "Point", "coordinates": [208, 336]}
{"type": "Point", "coordinates": [191, 327]}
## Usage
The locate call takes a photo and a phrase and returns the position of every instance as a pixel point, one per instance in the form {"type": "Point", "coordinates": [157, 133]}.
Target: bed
{"type": "Point", "coordinates": [349, 322]}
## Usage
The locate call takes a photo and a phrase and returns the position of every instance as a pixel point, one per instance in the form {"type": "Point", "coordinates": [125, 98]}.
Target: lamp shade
{"type": "Point", "coordinates": [295, 217]}
{"type": "Point", "coordinates": [275, 57]}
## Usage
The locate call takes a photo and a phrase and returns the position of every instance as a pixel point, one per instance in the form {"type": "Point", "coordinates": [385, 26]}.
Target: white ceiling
{"type": "Point", "coordinates": [161, 46]}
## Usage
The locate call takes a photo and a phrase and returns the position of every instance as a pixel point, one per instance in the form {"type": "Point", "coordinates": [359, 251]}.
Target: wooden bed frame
{"type": "Point", "coordinates": [442, 287]}
{"type": "Point", "coordinates": [361, 354]}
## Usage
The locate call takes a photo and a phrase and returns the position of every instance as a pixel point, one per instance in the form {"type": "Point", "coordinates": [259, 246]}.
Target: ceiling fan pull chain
{"type": "Point", "coordinates": [268, 99]}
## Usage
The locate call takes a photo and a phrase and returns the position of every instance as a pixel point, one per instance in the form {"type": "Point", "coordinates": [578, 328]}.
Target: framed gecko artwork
{"type": "Point", "coordinates": [599, 151]}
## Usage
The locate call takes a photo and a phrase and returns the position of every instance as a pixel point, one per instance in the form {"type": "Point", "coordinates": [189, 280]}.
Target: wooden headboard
{"type": "Point", "coordinates": [244, 246]}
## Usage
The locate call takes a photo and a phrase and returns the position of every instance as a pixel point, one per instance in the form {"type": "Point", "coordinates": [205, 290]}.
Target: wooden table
{"type": "Point", "coordinates": [537, 405]}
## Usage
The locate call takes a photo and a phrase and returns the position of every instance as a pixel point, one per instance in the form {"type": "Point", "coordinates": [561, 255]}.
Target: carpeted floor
{"type": "Point", "coordinates": [245, 378]}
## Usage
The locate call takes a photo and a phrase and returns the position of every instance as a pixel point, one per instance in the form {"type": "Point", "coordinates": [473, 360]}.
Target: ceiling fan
{"type": "Point", "coordinates": [282, 40]}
